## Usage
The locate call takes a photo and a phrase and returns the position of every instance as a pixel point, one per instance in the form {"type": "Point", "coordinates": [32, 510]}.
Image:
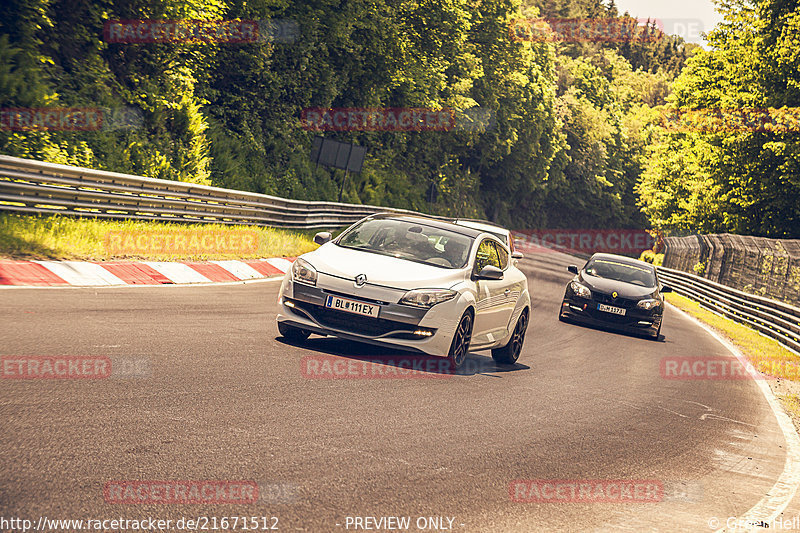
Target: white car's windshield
{"type": "Point", "coordinates": [411, 241]}
{"type": "Point", "coordinates": [618, 271]}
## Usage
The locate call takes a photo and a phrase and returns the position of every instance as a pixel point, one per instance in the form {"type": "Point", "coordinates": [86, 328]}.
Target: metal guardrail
{"type": "Point", "coordinates": [759, 265]}
{"type": "Point", "coordinates": [29, 186]}
{"type": "Point", "coordinates": [772, 318]}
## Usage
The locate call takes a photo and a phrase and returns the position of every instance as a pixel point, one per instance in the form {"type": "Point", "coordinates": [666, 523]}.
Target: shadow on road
{"type": "Point", "coordinates": [613, 330]}
{"type": "Point", "coordinates": [419, 363]}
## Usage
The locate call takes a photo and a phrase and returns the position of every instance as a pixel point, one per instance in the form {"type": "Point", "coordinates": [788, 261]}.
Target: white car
{"type": "Point", "coordinates": [413, 283]}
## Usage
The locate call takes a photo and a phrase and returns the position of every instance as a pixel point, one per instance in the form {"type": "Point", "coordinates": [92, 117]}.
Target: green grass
{"type": "Point", "coordinates": [764, 353]}
{"type": "Point", "coordinates": [59, 237]}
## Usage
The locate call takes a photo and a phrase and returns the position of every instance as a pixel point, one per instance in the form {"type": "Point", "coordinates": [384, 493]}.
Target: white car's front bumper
{"type": "Point", "coordinates": [396, 325]}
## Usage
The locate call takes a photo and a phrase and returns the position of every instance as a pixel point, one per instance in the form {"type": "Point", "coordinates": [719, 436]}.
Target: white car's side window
{"type": "Point", "coordinates": [487, 255]}
{"type": "Point", "coordinates": [503, 256]}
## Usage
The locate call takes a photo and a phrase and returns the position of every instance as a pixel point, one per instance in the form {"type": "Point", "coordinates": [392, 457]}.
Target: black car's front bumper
{"type": "Point", "coordinates": [635, 320]}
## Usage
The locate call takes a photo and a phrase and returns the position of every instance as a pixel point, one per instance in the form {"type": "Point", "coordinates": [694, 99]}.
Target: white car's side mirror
{"type": "Point", "coordinates": [490, 272]}
{"type": "Point", "coordinates": [322, 237]}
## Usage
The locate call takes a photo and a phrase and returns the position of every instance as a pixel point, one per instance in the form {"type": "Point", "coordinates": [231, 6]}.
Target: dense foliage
{"type": "Point", "coordinates": [729, 179]}
{"type": "Point", "coordinates": [574, 138]}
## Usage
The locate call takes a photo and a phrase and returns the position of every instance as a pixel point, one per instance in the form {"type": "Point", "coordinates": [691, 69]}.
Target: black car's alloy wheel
{"type": "Point", "coordinates": [459, 348]}
{"type": "Point", "coordinates": [509, 353]}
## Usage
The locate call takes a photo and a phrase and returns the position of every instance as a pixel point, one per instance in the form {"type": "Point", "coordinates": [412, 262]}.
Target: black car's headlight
{"type": "Point", "coordinates": [648, 304]}
{"type": "Point", "coordinates": [427, 298]}
{"type": "Point", "coordinates": [580, 290]}
{"type": "Point", "coordinates": [303, 272]}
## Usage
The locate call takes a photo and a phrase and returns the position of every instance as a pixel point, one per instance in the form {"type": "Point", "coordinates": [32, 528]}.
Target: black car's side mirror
{"type": "Point", "coordinates": [666, 288]}
{"type": "Point", "coordinates": [322, 237]}
{"type": "Point", "coordinates": [573, 269]}
{"type": "Point", "coordinates": [490, 272]}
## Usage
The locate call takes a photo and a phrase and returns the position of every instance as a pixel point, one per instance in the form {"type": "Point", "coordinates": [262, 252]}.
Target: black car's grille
{"type": "Point", "coordinates": [611, 317]}
{"type": "Point", "coordinates": [352, 323]}
{"type": "Point", "coordinates": [625, 303]}
{"type": "Point", "coordinates": [361, 298]}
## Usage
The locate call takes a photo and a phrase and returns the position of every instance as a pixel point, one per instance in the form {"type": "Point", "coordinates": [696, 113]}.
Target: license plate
{"type": "Point", "coordinates": [611, 309]}
{"type": "Point", "coordinates": [352, 306]}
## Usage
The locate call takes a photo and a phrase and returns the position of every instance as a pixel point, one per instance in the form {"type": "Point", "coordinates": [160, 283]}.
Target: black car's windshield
{"type": "Point", "coordinates": [409, 240]}
{"type": "Point", "coordinates": [619, 271]}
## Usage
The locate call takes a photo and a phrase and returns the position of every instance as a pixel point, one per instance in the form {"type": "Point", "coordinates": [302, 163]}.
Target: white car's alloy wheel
{"type": "Point", "coordinates": [461, 339]}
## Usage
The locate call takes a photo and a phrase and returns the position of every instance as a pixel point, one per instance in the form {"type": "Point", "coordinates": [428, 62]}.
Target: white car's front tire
{"type": "Point", "coordinates": [459, 347]}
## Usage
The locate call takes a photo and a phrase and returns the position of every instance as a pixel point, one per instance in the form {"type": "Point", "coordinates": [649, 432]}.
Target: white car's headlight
{"type": "Point", "coordinates": [648, 304]}
{"type": "Point", "coordinates": [303, 272]}
{"type": "Point", "coordinates": [427, 298]}
{"type": "Point", "coordinates": [580, 290]}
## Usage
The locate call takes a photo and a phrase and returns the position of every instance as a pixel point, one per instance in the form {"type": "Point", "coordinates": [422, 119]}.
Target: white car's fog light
{"type": "Point", "coordinates": [423, 333]}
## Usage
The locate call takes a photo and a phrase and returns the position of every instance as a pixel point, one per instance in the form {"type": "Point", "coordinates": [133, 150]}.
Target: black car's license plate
{"type": "Point", "coordinates": [611, 309]}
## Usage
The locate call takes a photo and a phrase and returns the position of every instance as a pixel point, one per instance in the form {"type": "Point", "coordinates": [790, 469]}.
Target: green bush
{"type": "Point", "coordinates": [649, 256]}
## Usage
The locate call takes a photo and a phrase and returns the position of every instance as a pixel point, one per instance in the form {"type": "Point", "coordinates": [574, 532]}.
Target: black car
{"type": "Point", "coordinates": [615, 291]}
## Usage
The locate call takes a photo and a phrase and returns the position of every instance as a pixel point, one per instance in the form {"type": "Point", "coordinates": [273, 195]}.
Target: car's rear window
{"type": "Point", "coordinates": [411, 241]}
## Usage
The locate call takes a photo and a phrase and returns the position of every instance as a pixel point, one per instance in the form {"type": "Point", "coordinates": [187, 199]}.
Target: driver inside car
{"type": "Point", "coordinates": [454, 252]}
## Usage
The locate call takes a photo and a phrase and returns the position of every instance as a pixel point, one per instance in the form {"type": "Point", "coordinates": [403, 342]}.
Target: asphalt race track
{"type": "Point", "coordinates": [223, 398]}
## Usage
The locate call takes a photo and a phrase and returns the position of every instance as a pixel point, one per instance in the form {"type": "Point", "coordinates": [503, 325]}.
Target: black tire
{"type": "Point", "coordinates": [459, 347]}
{"type": "Point", "coordinates": [658, 333]}
{"type": "Point", "coordinates": [508, 354]}
{"type": "Point", "coordinates": [561, 317]}
{"type": "Point", "coordinates": [292, 333]}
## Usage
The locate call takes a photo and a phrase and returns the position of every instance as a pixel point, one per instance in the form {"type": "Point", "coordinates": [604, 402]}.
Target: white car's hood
{"type": "Point", "coordinates": [381, 269]}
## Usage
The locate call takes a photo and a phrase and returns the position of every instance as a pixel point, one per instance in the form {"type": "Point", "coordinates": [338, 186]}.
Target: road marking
{"type": "Point", "coordinates": [239, 269]}
{"type": "Point", "coordinates": [194, 285]}
{"type": "Point", "coordinates": [785, 488]}
{"type": "Point", "coordinates": [712, 416]}
{"type": "Point", "coordinates": [80, 273]}
{"type": "Point", "coordinates": [177, 272]}
{"type": "Point", "coordinates": [280, 263]}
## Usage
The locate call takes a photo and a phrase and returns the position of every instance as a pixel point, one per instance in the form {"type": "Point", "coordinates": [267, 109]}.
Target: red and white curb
{"type": "Point", "coordinates": [119, 273]}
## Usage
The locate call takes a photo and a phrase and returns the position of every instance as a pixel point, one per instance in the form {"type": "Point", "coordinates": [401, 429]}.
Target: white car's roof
{"type": "Point", "coordinates": [498, 231]}
{"type": "Point", "coordinates": [483, 226]}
